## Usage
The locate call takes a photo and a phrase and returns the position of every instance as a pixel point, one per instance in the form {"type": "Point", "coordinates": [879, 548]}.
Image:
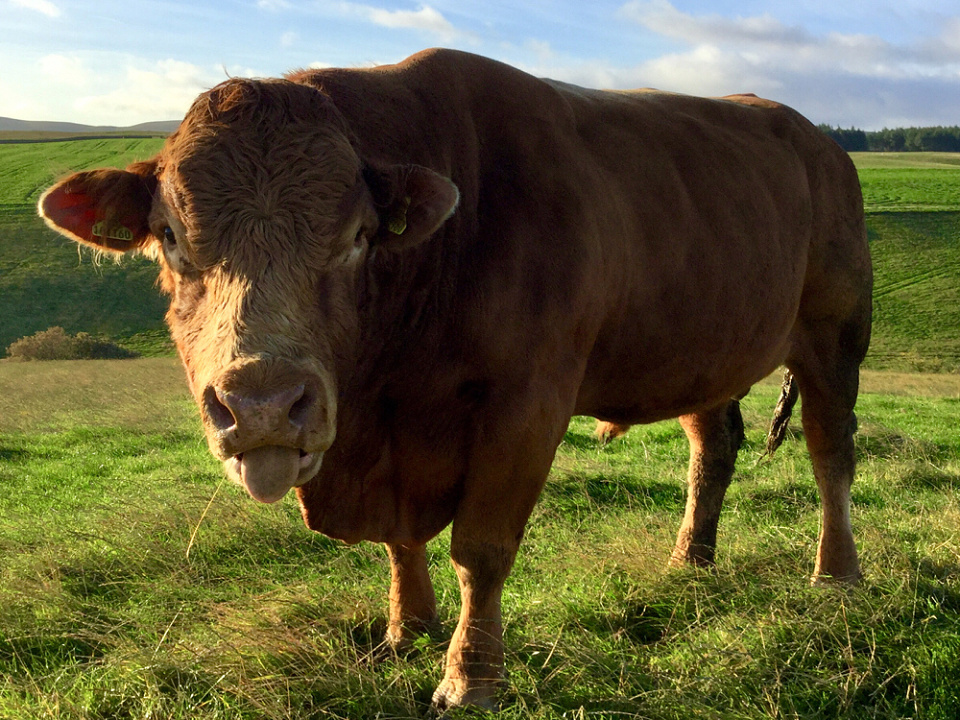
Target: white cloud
{"type": "Point", "coordinates": [664, 19]}
{"type": "Point", "coordinates": [837, 78]}
{"type": "Point", "coordinates": [542, 49]}
{"type": "Point", "coordinates": [145, 92]}
{"type": "Point", "coordinates": [425, 19]}
{"type": "Point", "coordinates": [289, 39]}
{"type": "Point", "coordinates": [273, 5]}
{"type": "Point", "coordinates": [776, 47]}
{"type": "Point", "coordinates": [67, 70]}
{"type": "Point", "coordinates": [41, 6]}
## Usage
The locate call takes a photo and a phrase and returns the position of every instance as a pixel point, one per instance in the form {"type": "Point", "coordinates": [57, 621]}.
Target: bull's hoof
{"type": "Point", "coordinates": [851, 579]}
{"type": "Point", "coordinates": [461, 692]}
{"type": "Point", "coordinates": [838, 567]}
{"type": "Point", "coordinates": [400, 638]}
{"type": "Point", "coordinates": [699, 556]}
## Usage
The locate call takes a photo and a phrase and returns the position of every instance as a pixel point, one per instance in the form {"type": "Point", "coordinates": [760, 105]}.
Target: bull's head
{"type": "Point", "coordinates": [262, 217]}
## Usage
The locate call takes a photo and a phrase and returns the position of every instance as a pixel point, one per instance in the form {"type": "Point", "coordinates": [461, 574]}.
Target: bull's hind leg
{"type": "Point", "coordinates": [607, 431]}
{"type": "Point", "coordinates": [413, 606]}
{"type": "Point", "coordinates": [828, 375]}
{"type": "Point", "coordinates": [715, 437]}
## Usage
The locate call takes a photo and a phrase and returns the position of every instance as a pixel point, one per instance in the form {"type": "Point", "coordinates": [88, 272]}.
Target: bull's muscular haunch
{"type": "Point", "coordinates": [392, 287]}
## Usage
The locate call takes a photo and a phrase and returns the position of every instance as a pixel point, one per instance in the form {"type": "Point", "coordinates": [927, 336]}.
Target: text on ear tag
{"type": "Point", "coordinates": [398, 220]}
{"type": "Point", "coordinates": [118, 232]}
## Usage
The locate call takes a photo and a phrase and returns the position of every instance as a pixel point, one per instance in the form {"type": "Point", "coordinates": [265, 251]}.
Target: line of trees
{"type": "Point", "coordinates": [926, 139]}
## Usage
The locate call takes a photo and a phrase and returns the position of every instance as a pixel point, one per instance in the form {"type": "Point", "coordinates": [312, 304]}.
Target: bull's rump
{"type": "Point", "coordinates": [717, 210]}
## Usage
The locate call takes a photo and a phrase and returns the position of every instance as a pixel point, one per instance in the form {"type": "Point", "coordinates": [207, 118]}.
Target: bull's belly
{"type": "Point", "coordinates": [658, 383]}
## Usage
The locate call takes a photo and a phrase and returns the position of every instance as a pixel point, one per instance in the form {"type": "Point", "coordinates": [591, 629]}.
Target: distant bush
{"type": "Point", "coordinates": [56, 344]}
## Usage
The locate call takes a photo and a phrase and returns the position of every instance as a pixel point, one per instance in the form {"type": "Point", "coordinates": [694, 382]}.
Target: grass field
{"type": "Point", "coordinates": [909, 182]}
{"type": "Point", "coordinates": [44, 281]}
{"type": "Point", "coordinates": [134, 583]}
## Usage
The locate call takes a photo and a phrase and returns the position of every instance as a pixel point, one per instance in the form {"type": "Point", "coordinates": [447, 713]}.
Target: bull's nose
{"type": "Point", "coordinates": [243, 420]}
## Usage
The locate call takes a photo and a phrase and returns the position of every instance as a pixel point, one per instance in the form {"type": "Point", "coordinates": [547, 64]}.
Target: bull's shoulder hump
{"type": "Point", "coordinates": [439, 69]}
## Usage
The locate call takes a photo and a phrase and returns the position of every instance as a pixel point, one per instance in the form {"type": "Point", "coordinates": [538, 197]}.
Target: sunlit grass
{"type": "Point", "coordinates": [135, 582]}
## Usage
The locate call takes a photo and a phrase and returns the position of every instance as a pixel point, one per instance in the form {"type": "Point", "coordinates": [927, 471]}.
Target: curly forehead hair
{"type": "Point", "coordinates": [242, 103]}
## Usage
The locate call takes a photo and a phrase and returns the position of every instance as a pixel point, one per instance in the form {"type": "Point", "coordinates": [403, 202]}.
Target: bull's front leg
{"type": "Point", "coordinates": [474, 668]}
{"type": "Point", "coordinates": [413, 605]}
{"type": "Point", "coordinates": [487, 528]}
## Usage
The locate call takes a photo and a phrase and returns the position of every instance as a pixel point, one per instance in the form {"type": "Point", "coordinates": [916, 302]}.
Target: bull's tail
{"type": "Point", "coordinates": [789, 392]}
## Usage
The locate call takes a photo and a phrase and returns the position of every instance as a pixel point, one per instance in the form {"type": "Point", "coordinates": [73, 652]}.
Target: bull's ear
{"type": "Point", "coordinates": [107, 209]}
{"type": "Point", "coordinates": [412, 202]}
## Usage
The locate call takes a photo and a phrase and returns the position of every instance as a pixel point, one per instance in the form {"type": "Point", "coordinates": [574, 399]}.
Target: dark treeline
{"type": "Point", "coordinates": [926, 139]}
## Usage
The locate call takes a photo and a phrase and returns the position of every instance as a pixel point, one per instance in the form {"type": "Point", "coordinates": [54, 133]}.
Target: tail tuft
{"type": "Point", "coordinates": [789, 392]}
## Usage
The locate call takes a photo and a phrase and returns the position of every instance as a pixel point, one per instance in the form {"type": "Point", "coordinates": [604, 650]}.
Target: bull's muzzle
{"type": "Point", "coordinates": [270, 424]}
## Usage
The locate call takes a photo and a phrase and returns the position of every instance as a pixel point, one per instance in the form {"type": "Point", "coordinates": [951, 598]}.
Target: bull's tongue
{"type": "Point", "coordinates": [268, 472]}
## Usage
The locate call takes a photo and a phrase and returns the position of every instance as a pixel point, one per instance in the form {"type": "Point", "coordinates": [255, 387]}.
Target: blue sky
{"type": "Point", "coordinates": [880, 64]}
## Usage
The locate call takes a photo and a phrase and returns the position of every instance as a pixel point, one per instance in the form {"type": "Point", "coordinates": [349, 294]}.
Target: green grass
{"type": "Point", "coordinates": [28, 168]}
{"type": "Point", "coordinates": [916, 258]}
{"type": "Point", "coordinates": [134, 583]}
{"type": "Point", "coordinates": [912, 160]}
{"type": "Point", "coordinates": [909, 182]}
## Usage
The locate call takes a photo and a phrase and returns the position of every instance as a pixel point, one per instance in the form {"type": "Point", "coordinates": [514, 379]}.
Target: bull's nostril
{"type": "Point", "coordinates": [218, 412]}
{"type": "Point", "coordinates": [300, 409]}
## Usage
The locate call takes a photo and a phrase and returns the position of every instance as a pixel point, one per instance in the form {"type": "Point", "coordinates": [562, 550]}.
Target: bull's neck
{"type": "Point", "coordinates": [405, 302]}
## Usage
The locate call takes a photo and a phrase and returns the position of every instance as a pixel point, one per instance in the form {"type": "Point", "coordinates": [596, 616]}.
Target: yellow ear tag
{"type": "Point", "coordinates": [397, 223]}
{"type": "Point", "coordinates": [117, 233]}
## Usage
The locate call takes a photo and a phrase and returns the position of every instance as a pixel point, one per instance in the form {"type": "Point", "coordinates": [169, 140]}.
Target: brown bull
{"type": "Point", "coordinates": [392, 287]}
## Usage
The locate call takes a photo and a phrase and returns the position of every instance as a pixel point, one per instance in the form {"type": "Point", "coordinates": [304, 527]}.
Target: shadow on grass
{"type": "Point", "coordinates": [582, 440]}
{"type": "Point", "coordinates": [13, 454]}
{"type": "Point", "coordinates": [929, 477]}
{"type": "Point", "coordinates": [576, 490]}
{"type": "Point", "coordinates": [783, 504]}
{"type": "Point", "coordinates": [41, 653]}
{"type": "Point", "coordinates": [876, 441]}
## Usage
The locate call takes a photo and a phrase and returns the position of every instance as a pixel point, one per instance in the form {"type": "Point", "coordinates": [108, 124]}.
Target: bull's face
{"type": "Point", "coordinates": [262, 217]}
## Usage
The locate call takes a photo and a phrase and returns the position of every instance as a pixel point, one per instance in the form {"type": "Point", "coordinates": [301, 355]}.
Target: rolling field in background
{"type": "Point", "coordinates": [913, 222]}
{"type": "Point", "coordinates": [136, 583]}
{"type": "Point", "coordinates": [912, 201]}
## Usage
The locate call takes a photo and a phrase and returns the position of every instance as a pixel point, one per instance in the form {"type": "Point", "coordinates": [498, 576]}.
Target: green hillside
{"type": "Point", "coordinates": [913, 220]}
{"type": "Point", "coordinates": [44, 280]}
{"type": "Point", "coordinates": [912, 200]}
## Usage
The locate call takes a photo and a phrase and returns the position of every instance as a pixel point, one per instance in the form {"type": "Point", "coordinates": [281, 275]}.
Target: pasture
{"type": "Point", "coordinates": [136, 583]}
{"type": "Point", "coordinates": [43, 279]}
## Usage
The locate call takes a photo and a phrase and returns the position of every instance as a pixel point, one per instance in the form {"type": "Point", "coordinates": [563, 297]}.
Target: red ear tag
{"type": "Point", "coordinates": [118, 232]}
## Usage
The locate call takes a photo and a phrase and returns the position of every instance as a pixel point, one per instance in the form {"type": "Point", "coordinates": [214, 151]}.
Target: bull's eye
{"type": "Point", "coordinates": [356, 250]}
{"type": "Point", "coordinates": [169, 236]}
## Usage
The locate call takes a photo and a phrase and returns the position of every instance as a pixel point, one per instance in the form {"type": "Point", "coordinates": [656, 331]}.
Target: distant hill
{"type": "Point", "coordinates": [39, 126]}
